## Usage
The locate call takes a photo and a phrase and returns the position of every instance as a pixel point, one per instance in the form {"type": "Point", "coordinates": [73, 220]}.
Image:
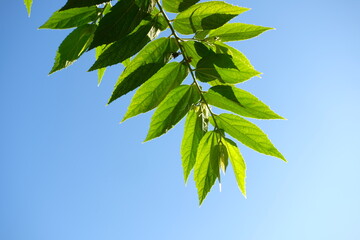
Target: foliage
{"type": "Point", "coordinates": [126, 32]}
{"type": "Point", "coordinates": [28, 4]}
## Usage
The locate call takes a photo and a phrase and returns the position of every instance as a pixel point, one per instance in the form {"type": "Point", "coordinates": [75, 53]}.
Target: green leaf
{"type": "Point", "coordinates": [81, 3]}
{"type": "Point", "coordinates": [28, 4]}
{"type": "Point", "coordinates": [239, 60]}
{"type": "Point", "coordinates": [193, 132]}
{"type": "Point", "coordinates": [195, 51]}
{"type": "Point", "coordinates": [237, 32]}
{"type": "Point", "coordinates": [238, 164]}
{"type": "Point", "coordinates": [154, 91]}
{"type": "Point", "coordinates": [224, 158]}
{"type": "Point", "coordinates": [206, 169]}
{"type": "Point", "coordinates": [174, 107]}
{"type": "Point", "coordinates": [228, 66]}
{"type": "Point", "coordinates": [176, 6]}
{"type": "Point", "coordinates": [106, 9]}
{"type": "Point", "coordinates": [221, 67]}
{"type": "Point", "coordinates": [71, 18]}
{"type": "Point", "coordinates": [146, 5]}
{"type": "Point", "coordinates": [74, 45]}
{"type": "Point", "coordinates": [98, 51]}
{"type": "Point", "coordinates": [206, 16]}
{"type": "Point", "coordinates": [129, 45]}
{"type": "Point", "coordinates": [239, 101]}
{"type": "Point", "coordinates": [161, 22]}
{"type": "Point", "coordinates": [123, 18]}
{"type": "Point", "coordinates": [126, 62]}
{"type": "Point", "coordinates": [238, 57]}
{"type": "Point", "coordinates": [201, 34]}
{"type": "Point", "coordinates": [247, 133]}
{"type": "Point", "coordinates": [148, 61]}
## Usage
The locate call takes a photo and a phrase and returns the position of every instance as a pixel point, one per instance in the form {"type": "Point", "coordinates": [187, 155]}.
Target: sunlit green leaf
{"type": "Point", "coordinates": [148, 61]}
{"type": "Point", "coordinates": [153, 91]}
{"type": "Point", "coordinates": [247, 133]}
{"type": "Point", "coordinates": [206, 169]}
{"type": "Point", "coordinates": [239, 101]}
{"type": "Point", "coordinates": [206, 16]}
{"type": "Point", "coordinates": [174, 107]}
{"type": "Point", "coordinates": [125, 33]}
{"type": "Point", "coordinates": [74, 45]}
{"type": "Point", "coordinates": [126, 62]}
{"type": "Point", "coordinates": [193, 132]}
{"type": "Point", "coordinates": [28, 4]}
{"type": "Point", "coordinates": [98, 51]}
{"type": "Point", "coordinates": [237, 32]}
{"type": "Point", "coordinates": [238, 164]}
{"type": "Point", "coordinates": [223, 68]}
{"type": "Point", "coordinates": [176, 6]}
{"type": "Point", "coordinates": [71, 18]}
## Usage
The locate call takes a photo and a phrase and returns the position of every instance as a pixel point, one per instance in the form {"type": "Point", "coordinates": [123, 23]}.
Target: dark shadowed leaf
{"type": "Point", "coordinates": [174, 107]}
{"type": "Point", "coordinates": [123, 18]}
{"type": "Point", "coordinates": [176, 6]}
{"type": "Point", "coordinates": [149, 60]}
{"type": "Point", "coordinates": [129, 45]}
{"type": "Point", "coordinates": [153, 91]}
{"type": "Point", "coordinates": [146, 5]}
{"type": "Point", "coordinates": [81, 3]}
{"type": "Point", "coordinates": [74, 45]}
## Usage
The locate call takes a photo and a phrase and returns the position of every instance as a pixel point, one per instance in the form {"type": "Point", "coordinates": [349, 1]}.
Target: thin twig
{"type": "Point", "coordinates": [187, 62]}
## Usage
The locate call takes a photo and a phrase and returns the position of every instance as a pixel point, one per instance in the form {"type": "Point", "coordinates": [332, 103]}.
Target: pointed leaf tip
{"type": "Point", "coordinates": [28, 5]}
{"type": "Point", "coordinates": [194, 130]}
{"type": "Point", "coordinates": [154, 90]}
{"type": "Point", "coordinates": [206, 169]}
{"type": "Point", "coordinates": [247, 133]}
{"type": "Point", "coordinates": [237, 32]}
{"type": "Point", "coordinates": [174, 107]}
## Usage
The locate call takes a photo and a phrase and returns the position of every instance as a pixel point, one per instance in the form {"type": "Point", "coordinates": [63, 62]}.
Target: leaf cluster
{"type": "Point", "coordinates": [127, 32]}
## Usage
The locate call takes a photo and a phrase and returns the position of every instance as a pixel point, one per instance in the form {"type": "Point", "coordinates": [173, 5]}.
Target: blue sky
{"type": "Point", "coordinates": [68, 170]}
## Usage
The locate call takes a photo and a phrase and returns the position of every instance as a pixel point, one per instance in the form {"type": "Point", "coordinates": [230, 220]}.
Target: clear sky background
{"type": "Point", "coordinates": [68, 170]}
